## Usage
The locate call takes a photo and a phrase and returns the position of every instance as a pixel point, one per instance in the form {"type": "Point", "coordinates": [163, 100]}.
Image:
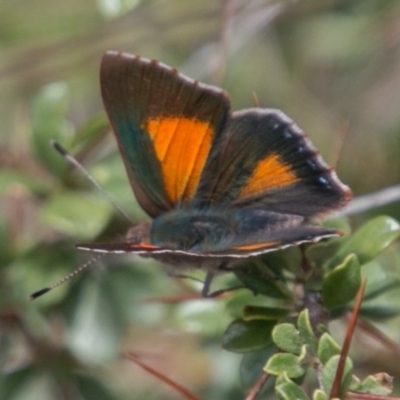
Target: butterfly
{"type": "Point", "coordinates": [220, 186]}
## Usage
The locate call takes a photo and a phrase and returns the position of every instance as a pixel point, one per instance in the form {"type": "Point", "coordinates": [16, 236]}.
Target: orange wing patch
{"type": "Point", "coordinates": [257, 246]}
{"type": "Point", "coordinates": [143, 246]}
{"type": "Point", "coordinates": [270, 173]}
{"type": "Point", "coordinates": [182, 146]}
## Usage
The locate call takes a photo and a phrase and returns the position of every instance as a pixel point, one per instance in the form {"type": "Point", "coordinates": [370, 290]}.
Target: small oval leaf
{"type": "Point", "coordinates": [327, 348]}
{"type": "Point", "coordinates": [291, 391]}
{"type": "Point", "coordinates": [380, 384]}
{"type": "Point", "coordinates": [49, 122]}
{"type": "Point", "coordinates": [261, 283]}
{"type": "Point", "coordinates": [267, 313]}
{"type": "Point", "coordinates": [306, 331]}
{"type": "Point", "coordinates": [287, 338]}
{"type": "Point", "coordinates": [244, 336]}
{"type": "Point", "coordinates": [369, 241]}
{"type": "Point", "coordinates": [329, 373]}
{"type": "Point", "coordinates": [285, 363]}
{"type": "Point", "coordinates": [320, 395]}
{"type": "Point", "coordinates": [341, 284]}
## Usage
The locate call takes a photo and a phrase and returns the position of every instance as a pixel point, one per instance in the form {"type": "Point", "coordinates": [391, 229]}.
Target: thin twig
{"type": "Point", "coordinates": [172, 384]}
{"type": "Point", "coordinates": [261, 381]}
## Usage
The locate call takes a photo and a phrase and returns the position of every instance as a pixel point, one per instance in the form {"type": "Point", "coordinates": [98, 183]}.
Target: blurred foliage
{"type": "Point", "coordinates": [333, 66]}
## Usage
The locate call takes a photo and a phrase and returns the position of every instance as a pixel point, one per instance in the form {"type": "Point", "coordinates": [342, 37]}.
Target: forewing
{"type": "Point", "coordinates": [263, 160]}
{"type": "Point", "coordinates": [165, 125]}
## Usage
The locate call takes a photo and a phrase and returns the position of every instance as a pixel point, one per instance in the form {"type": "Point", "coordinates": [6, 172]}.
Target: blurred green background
{"type": "Point", "coordinates": [332, 66]}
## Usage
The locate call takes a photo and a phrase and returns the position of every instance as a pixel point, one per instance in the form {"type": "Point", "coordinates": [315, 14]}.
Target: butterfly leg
{"type": "Point", "coordinates": [183, 276]}
{"type": "Point", "coordinates": [205, 292]}
{"type": "Point", "coordinates": [207, 284]}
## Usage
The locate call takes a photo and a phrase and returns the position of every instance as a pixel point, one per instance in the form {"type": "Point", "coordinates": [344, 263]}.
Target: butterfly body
{"type": "Point", "coordinates": [214, 239]}
{"type": "Point", "coordinates": [219, 186]}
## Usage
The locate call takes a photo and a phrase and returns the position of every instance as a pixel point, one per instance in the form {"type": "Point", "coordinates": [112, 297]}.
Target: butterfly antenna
{"type": "Point", "coordinates": [340, 140]}
{"type": "Point", "coordinates": [66, 278]}
{"type": "Point", "coordinates": [255, 100]}
{"type": "Point", "coordinates": [73, 161]}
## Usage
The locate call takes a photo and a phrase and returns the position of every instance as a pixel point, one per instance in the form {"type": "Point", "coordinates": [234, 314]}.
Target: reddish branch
{"type": "Point", "coordinates": [335, 392]}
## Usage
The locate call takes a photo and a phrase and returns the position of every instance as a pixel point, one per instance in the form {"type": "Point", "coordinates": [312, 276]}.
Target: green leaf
{"type": "Point", "coordinates": [90, 133]}
{"type": "Point", "coordinates": [380, 384]}
{"type": "Point", "coordinates": [260, 281]}
{"type": "Point", "coordinates": [306, 331]}
{"type": "Point", "coordinates": [252, 364]}
{"type": "Point", "coordinates": [111, 175]}
{"type": "Point", "coordinates": [327, 348]}
{"type": "Point", "coordinates": [245, 336]}
{"type": "Point", "coordinates": [320, 252]}
{"type": "Point", "coordinates": [291, 391]}
{"type": "Point", "coordinates": [369, 241]}
{"type": "Point", "coordinates": [329, 373]}
{"type": "Point", "coordinates": [379, 312]}
{"type": "Point", "coordinates": [39, 386]}
{"type": "Point", "coordinates": [281, 260]}
{"type": "Point", "coordinates": [320, 395]}
{"type": "Point", "coordinates": [340, 285]}
{"type": "Point", "coordinates": [340, 224]}
{"type": "Point", "coordinates": [49, 122]}
{"type": "Point", "coordinates": [267, 313]}
{"type": "Point", "coordinates": [206, 318]}
{"type": "Point", "coordinates": [92, 389]}
{"type": "Point", "coordinates": [241, 299]}
{"type": "Point", "coordinates": [10, 178]}
{"type": "Point", "coordinates": [287, 338]}
{"type": "Point", "coordinates": [12, 383]}
{"type": "Point", "coordinates": [81, 215]}
{"type": "Point", "coordinates": [380, 280]}
{"type": "Point", "coordinates": [306, 357]}
{"type": "Point", "coordinates": [94, 327]}
{"type": "Point", "coordinates": [382, 287]}
{"type": "Point", "coordinates": [281, 379]}
{"type": "Point", "coordinates": [42, 266]}
{"type": "Point", "coordinates": [339, 312]}
{"type": "Point", "coordinates": [285, 362]}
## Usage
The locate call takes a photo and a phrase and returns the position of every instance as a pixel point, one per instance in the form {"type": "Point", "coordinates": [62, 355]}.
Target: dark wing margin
{"type": "Point", "coordinates": [263, 160]}
{"type": "Point", "coordinates": [165, 124]}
